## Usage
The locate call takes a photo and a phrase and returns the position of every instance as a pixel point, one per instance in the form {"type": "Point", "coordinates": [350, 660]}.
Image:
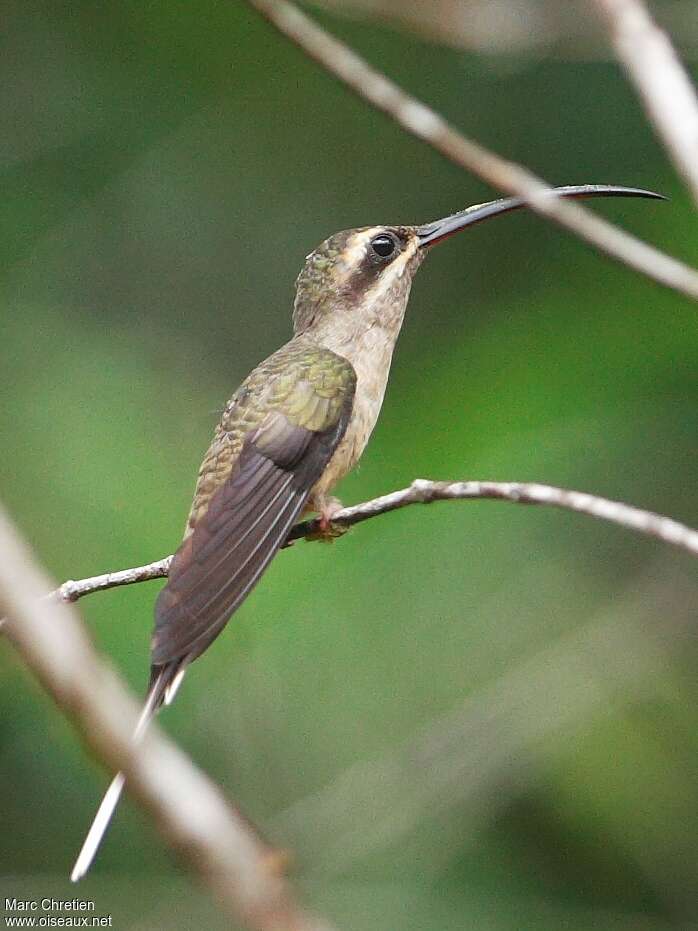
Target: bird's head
{"type": "Point", "coordinates": [361, 278]}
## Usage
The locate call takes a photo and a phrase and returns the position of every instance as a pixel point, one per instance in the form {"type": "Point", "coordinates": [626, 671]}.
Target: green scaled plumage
{"type": "Point", "coordinates": [307, 383]}
{"type": "Point", "coordinates": [275, 438]}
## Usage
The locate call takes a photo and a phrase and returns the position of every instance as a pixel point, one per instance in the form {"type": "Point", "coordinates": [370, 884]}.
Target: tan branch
{"type": "Point", "coordinates": [218, 844]}
{"type": "Point", "coordinates": [72, 589]}
{"type": "Point", "coordinates": [424, 123]}
{"type": "Point", "coordinates": [423, 491]}
{"type": "Point", "coordinates": [521, 30]}
{"type": "Point", "coordinates": [665, 87]}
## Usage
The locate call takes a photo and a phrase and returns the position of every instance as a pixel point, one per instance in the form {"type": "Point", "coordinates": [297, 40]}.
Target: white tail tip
{"type": "Point", "coordinates": [99, 826]}
{"type": "Point", "coordinates": [111, 799]}
{"type": "Point", "coordinates": [172, 688]}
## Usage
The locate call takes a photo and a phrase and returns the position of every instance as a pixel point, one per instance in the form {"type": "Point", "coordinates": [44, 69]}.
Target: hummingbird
{"type": "Point", "coordinates": [293, 429]}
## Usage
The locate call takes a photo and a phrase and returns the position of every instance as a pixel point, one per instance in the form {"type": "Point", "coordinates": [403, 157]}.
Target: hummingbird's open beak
{"type": "Point", "coordinates": [431, 233]}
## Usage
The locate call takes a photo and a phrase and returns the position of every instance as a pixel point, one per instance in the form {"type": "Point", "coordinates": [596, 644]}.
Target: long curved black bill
{"type": "Point", "coordinates": [431, 233]}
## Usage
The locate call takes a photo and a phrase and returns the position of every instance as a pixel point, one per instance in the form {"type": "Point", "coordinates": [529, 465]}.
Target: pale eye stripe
{"type": "Point", "coordinates": [356, 247]}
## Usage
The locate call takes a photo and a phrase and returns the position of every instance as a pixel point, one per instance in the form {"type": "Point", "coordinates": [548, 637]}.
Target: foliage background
{"type": "Point", "coordinates": [165, 169]}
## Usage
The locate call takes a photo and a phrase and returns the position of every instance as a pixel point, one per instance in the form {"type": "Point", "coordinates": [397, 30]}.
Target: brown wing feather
{"type": "Point", "coordinates": [246, 522]}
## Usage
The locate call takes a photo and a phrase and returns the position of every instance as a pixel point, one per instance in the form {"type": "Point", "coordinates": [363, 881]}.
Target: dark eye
{"type": "Point", "coordinates": [383, 245]}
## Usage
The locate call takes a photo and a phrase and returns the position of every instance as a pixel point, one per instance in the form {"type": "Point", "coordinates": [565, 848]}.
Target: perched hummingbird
{"type": "Point", "coordinates": [296, 426]}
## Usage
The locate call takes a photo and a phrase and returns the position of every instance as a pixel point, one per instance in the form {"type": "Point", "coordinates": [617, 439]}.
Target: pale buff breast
{"type": "Point", "coordinates": [347, 453]}
{"type": "Point", "coordinates": [371, 361]}
{"type": "Point", "coordinates": [365, 336]}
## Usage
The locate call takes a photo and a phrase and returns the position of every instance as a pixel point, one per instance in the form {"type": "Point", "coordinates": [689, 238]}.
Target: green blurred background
{"type": "Point", "coordinates": [463, 716]}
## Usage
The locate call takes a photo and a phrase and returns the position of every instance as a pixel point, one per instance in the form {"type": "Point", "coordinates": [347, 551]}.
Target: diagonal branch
{"type": "Point", "coordinates": [661, 80]}
{"type": "Point", "coordinates": [424, 123]}
{"type": "Point", "coordinates": [218, 844]}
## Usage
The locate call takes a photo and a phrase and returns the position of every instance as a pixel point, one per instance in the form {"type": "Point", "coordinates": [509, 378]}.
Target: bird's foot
{"type": "Point", "coordinates": [326, 530]}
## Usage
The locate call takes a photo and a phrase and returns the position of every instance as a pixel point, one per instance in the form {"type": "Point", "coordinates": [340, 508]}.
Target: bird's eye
{"type": "Point", "coordinates": [383, 245]}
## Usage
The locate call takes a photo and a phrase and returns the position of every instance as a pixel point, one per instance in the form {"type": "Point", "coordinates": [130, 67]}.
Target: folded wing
{"type": "Point", "coordinates": [249, 516]}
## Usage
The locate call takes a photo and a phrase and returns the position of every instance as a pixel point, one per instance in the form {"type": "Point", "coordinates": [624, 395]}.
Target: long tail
{"type": "Point", "coordinates": [162, 689]}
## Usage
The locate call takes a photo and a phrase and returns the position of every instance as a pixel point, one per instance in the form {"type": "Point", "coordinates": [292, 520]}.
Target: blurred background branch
{"type": "Point", "coordinates": [505, 29]}
{"type": "Point", "coordinates": [479, 755]}
{"type": "Point", "coordinates": [661, 80]}
{"type": "Point", "coordinates": [243, 872]}
{"type": "Point", "coordinates": [421, 121]}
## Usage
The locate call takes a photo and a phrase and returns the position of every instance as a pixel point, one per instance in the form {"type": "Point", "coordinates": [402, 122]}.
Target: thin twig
{"type": "Point", "coordinates": [664, 85]}
{"type": "Point", "coordinates": [218, 844]}
{"type": "Point", "coordinates": [412, 115]}
{"type": "Point", "coordinates": [423, 491]}
{"type": "Point", "coordinates": [72, 589]}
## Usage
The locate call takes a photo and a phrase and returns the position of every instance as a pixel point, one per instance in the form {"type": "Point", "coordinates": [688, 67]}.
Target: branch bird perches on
{"type": "Point", "coordinates": [423, 491]}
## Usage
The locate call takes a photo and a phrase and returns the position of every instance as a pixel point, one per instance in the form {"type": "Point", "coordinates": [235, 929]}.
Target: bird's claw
{"type": "Point", "coordinates": [326, 530]}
